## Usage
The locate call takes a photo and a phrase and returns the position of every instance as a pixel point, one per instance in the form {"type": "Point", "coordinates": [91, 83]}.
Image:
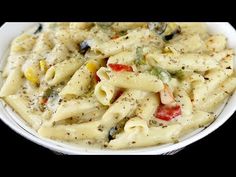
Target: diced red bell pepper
{"type": "Point", "coordinates": [43, 100]}
{"type": "Point", "coordinates": [167, 112]}
{"type": "Point", "coordinates": [115, 36]}
{"type": "Point", "coordinates": [120, 67]}
{"type": "Point", "coordinates": [97, 79]}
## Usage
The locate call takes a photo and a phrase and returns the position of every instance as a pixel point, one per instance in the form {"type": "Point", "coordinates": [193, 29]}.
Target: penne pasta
{"type": "Point", "coordinates": [156, 135]}
{"type": "Point", "coordinates": [62, 71]}
{"type": "Point", "coordinates": [118, 85]}
{"type": "Point", "coordinates": [78, 84]}
{"type": "Point", "coordinates": [72, 132]}
{"type": "Point", "coordinates": [20, 105]}
{"type": "Point", "coordinates": [192, 62]}
{"type": "Point", "coordinates": [130, 80]}
{"type": "Point", "coordinates": [12, 83]}
{"type": "Point", "coordinates": [105, 92]}
{"type": "Point", "coordinates": [75, 108]}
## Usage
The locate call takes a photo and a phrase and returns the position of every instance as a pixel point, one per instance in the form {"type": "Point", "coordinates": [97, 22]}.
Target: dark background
{"type": "Point", "coordinates": [220, 142]}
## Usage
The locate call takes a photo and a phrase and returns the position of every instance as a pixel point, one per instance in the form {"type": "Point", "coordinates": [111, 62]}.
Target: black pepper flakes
{"type": "Point", "coordinates": [227, 92]}
{"type": "Point", "coordinates": [176, 141]}
{"type": "Point", "coordinates": [100, 128]}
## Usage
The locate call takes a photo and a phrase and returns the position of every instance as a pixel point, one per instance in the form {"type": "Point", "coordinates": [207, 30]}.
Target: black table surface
{"type": "Point", "coordinates": [220, 141]}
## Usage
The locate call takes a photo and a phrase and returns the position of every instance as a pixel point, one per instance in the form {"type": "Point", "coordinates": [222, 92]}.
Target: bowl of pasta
{"type": "Point", "coordinates": [116, 88]}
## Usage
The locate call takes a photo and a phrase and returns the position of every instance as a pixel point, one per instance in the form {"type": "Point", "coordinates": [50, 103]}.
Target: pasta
{"type": "Point", "coordinates": [213, 79]}
{"type": "Point", "coordinates": [137, 134]}
{"type": "Point", "coordinates": [58, 54]}
{"type": "Point", "coordinates": [75, 108]}
{"type": "Point", "coordinates": [78, 84]}
{"type": "Point", "coordinates": [62, 70]}
{"type": "Point", "coordinates": [72, 132]}
{"type": "Point", "coordinates": [186, 44]}
{"type": "Point", "coordinates": [129, 80]}
{"type": "Point", "coordinates": [217, 96]}
{"type": "Point", "coordinates": [13, 83]}
{"type": "Point", "coordinates": [105, 92]}
{"type": "Point", "coordinates": [216, 43]}
{"type": "Point", "coordinates": [184, 100]}
{"type": "Point", "coordinates": [196, 120]}
{"type": "Point", "coordinates": [147, 107]}
{"type": "Point", "coordinates": [124, 106]}
{"type": "Point", "coordinates": [24, 42]}
{"type": "Point", "coordinates": [125, 57]}
{"type": "Point", "coordinates": [189, 61]}
{"type": "Point", "coordinates": [20, 105]}
{"type": "Point", "coordinates": [126, 42]}
{"type": "Point", "coordinates": [118, 85]}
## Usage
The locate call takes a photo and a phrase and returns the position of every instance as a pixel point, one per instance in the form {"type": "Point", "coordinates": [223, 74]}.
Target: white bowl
{"type": "Point", "coordinates": [10, 30]}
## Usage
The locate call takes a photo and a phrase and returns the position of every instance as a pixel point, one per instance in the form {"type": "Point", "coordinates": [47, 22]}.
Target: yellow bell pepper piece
{"type": "Point", "coordinates": [31, 75]}
{"type": "Point", "coordinates": [43, 65]}
{"type": "Point", "coordinates": [92, 66]}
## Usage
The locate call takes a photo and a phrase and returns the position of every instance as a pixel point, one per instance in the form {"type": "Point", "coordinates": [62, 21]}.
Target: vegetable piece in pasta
{"type": "Point", "coordinates": [41, 48]}
{"type": "Point", "coordinates": [123, 84]}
